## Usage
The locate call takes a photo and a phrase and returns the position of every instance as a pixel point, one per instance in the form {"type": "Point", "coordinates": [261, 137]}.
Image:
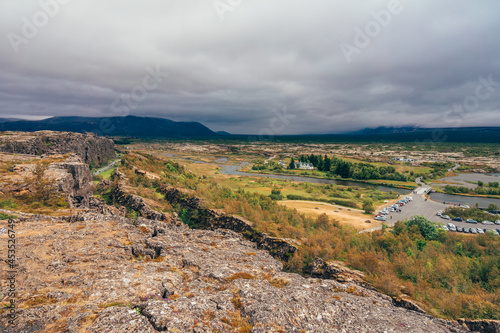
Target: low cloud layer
{"type": "Point", "coordinates": [257, 66]}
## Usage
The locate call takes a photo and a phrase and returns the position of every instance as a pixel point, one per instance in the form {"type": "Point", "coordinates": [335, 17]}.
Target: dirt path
{"type": "Point", "coordinates": [107, 167]}
{"type": "Point", "coordinates": [349, 216]}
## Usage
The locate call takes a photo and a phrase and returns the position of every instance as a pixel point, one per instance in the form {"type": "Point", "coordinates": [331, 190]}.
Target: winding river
{"type": "Point", "coordinates": [441, 197]}
{"type": "Point", "coordinates": [233, 170]}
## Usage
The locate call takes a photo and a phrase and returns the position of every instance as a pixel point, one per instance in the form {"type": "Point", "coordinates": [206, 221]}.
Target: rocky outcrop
{"type": "Point", "coordinates": [137, 203]}
{"type": "Point", "coordinates": [92, 149]}
{"type": "Point", "coordinates": [336, 270]}
{"type": "Point", "coordinates": [483, 326]}
{"type": "Point", "coordinates": [212, 219]}
{"type": "Point", "coordinates": [74, 179]}
{"type": "Point", "coordinates": [96, 273]}
{"type": "Point", "coordinates": [403, 301]}
{"type": "Point", "coordinates": [146, 174]}
{"type": "Point", "coordinates": [61, 176]}
{"type": "Point", "coordinates": [57, 174]}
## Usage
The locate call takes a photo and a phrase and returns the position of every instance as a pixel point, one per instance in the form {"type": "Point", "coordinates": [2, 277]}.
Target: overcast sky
{"type": "Point", "coordinates": [254, 66]}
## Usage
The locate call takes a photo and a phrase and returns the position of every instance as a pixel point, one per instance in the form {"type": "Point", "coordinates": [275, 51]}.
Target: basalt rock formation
{"type": "Point", "coordinates": [74, 179]}
{"type": "Point", "coordinates": [212, 219]}
{"type": "Point", "coordinates": [66, 175]}
{"type": "Point", "coordinates": [98, 273]}
{"type": "Point", "coordinates": [92, 149]}
{"type": "Point", "coordinates": [337, 270]}
{"type": "Point", "coordinates": [138, 204]}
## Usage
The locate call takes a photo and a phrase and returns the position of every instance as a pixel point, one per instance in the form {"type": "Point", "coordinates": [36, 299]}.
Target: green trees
{"type": "Point", "coordinates": [368, 206]}
{"type": "Point", "coordinates": [479, 190]}
{"type": "Point", "coordinates": [291, 166]}
{"type": "Point", "coordinates": [345, 169]}
{"type": "Point", "coordinates": [492, 206]}
{"type": "Point", "coordinates": [44, 189]}
{"type": "Point", "coordinates": [428, 229]}
{"type": "Point", "coordinates": [276, 195]}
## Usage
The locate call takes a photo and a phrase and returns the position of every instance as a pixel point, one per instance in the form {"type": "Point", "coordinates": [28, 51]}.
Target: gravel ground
{"type": "Point", "coordinates": [419, 206]}
{"type": "Point", "coordinates": [463, 179]}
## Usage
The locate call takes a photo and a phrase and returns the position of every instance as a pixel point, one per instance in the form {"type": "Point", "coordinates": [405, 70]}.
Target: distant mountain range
{"type": "Point", "coordinates": [130, 126]}
{"type": "Point", "coordinates": [4, 120]}
{"type": "Point", "coordinates": [149, 127]}
{"type": "Point", "coordinates": [456, 134]}
{"type": "Point", "coordinates": [401, 134]}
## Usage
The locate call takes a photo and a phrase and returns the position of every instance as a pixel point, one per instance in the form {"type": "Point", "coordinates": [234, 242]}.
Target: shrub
{"type": "Point", "coordinates": [276, 195]}
{"type": "Point", "coordinates": [428, 229]}
{"type": "Point", "coordinates": [368, 206]}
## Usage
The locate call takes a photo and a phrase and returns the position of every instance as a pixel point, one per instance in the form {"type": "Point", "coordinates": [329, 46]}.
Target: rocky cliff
{"type": "Point", "coordinates": [97, 273]}
{"type": "Point", "coordinates": [91, 148]}
{"type": "Point", "coordinates": [74, 179]}
{"type": "Point", "coordinates": [212, 219]}
{"type": "Point", "coordinates": [137, 203]}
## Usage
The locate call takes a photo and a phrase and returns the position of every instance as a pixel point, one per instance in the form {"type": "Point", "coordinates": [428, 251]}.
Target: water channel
{"type": "Point", "coordinates": [441, 197]}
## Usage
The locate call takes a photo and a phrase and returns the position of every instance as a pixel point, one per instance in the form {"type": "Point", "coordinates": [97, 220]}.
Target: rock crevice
{"type": "Point", "coordinates": [212, 219]}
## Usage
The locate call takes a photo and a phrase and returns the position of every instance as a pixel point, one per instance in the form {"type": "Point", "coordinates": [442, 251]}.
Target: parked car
{"type": "Point", "coordinates": [439, 213]}
{"type": "Point", "coordinates": [446, 217]}
{"type": "Point", "coordinates": [473, 230]}
{"type": "Point", "coordinates": [480, 231]}
{"type": "Point", "coordinates": [487, 222]}
{"type": "Point", "coordinates": [471, 221]}
{"type": "Point", "coordinates": [466, 230]}
{"type": "Point", "coordinates": [381, 218]}
{"type": "Point", "coordinates": [453, 229]}
{"type": "Point", "coordinates": [460, 229]}
{"type": "Point", "coordinates": [492, 231]}
{"type": "Point", "coordinates": [497, 222]}
{"type": "Point", "coordinates": [450, 225]}
{"type": "Point", "coordinates": [458, 219]}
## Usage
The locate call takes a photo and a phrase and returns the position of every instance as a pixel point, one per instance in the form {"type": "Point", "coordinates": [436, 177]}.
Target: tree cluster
{"type": "Point", "coordinates": [346, 169]}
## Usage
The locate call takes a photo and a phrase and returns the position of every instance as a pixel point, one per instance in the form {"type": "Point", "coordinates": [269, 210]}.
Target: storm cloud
{"type": "Point", "coordinates": [330, 66]}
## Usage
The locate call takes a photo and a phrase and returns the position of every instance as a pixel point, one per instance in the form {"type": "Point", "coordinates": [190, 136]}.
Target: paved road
{"type": "Point", "coordinates": [107, 167]}
{"type": "Point", "coordinates": [429, 208]}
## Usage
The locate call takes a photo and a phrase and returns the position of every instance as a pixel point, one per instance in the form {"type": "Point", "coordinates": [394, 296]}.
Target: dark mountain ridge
{"type": "Point", "coordinates": [150, 127]}
{"type": "Point", "coordinates": [132, 126]}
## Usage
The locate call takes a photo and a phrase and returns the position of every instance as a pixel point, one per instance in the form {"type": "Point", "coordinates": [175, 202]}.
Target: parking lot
{"type": "Point", "coordinates": [428, 209]}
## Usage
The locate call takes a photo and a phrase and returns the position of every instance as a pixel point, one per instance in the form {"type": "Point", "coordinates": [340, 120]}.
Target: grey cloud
{"type": "Point", "coordinates": [231, 74]}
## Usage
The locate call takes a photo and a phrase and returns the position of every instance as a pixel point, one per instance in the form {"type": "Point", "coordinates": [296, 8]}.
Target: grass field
{"type": "Point", "coordinates": [320, 192]}
{"type": "Point", "coordinates": [107, 174]}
